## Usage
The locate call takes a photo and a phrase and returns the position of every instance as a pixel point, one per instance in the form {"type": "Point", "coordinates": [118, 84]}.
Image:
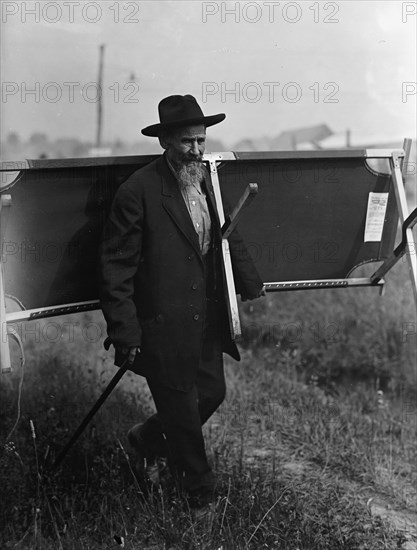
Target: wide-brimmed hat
{"type": "Point", "coordinates": [180, 110]}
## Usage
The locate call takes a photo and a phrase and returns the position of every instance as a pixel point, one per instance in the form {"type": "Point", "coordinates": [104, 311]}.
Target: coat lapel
{"type": "Point", "coordinates": [174, 204]}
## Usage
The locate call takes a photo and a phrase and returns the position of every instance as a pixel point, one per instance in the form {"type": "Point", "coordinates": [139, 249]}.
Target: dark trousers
{"type": "Point", "coordinates": [175, 430]}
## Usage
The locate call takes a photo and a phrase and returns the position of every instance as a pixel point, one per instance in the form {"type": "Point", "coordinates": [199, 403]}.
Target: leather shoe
{"type": "Point", "coordinates": [206, 513]}
{"type": "Point", "coordinates": [148, 465]}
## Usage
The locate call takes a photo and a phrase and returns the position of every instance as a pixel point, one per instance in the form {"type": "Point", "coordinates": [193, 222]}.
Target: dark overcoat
{"type": "Point", "coordinates": [152, 287]}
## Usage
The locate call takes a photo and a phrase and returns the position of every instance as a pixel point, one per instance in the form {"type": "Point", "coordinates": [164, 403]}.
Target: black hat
{"type": "Point", "coordinates": [180, 110]}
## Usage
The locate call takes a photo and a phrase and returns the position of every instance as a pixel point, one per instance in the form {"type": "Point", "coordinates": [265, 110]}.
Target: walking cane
{"type": "Point", "coordinates": [112, 384]}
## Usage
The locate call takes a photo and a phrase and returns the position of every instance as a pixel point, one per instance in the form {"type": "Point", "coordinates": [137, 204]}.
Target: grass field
{"type": "Point", "coordinates": [314, 447]}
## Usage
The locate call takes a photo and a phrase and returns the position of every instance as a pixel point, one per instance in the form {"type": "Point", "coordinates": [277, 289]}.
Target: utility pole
{"type": "Point", "coordinates": [348, 137]}
{"type": "Point", "coordinates": [100, 97]}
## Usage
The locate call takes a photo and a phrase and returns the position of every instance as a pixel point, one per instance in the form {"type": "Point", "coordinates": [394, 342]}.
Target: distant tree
{"type": "Point", "coordinates": [13, 139]}
{"type": "Point", "coordinates": [38, 139]}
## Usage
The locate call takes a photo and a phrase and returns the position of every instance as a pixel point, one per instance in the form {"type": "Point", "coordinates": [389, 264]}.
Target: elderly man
{"type": "Point", "coordinates": [163, 293]}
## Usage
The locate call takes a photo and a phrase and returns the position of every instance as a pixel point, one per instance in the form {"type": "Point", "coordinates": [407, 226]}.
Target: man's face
{"type": "Point", "coordinates": [186, 145]}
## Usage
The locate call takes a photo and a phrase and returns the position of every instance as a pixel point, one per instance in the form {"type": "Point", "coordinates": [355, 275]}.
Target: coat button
{"type": "Point", "coordinates": [194, 286]}
{"type": "Point", "coordinates": [196, 317]}
{"type": "Point", "coordinates": [191, 257]}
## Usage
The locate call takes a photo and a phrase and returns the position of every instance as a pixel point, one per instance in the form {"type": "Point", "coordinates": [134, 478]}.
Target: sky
{"type": "Point", "coordinates": [270, 66]}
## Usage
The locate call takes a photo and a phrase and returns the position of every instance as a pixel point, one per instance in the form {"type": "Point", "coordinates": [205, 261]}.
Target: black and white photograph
{"type": "Point", "coordinates": [208, 275]}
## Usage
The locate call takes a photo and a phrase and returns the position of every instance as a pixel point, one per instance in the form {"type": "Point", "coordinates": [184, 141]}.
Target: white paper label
{"type": "Point", "coordinates": [375, 216]}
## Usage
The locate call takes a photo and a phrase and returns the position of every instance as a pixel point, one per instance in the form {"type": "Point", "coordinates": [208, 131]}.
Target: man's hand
{"type": "Point", "coordinates": [131, 354]}
{"type": "Point", "coordinates": [262, 292]}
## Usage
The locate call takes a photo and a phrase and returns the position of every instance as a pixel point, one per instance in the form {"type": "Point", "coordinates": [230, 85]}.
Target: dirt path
{"type": "Point", "coordinates": [401, 519]}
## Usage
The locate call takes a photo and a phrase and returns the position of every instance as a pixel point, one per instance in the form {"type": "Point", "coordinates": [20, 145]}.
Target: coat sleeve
{"type": "Point", "coordinates": [120, 253]}
{"type": "Point", "coordinates": [248, 282]}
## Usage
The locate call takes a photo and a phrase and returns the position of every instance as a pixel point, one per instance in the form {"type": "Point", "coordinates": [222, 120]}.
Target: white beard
{"type": "Point", "coordinates": [190, 173]}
